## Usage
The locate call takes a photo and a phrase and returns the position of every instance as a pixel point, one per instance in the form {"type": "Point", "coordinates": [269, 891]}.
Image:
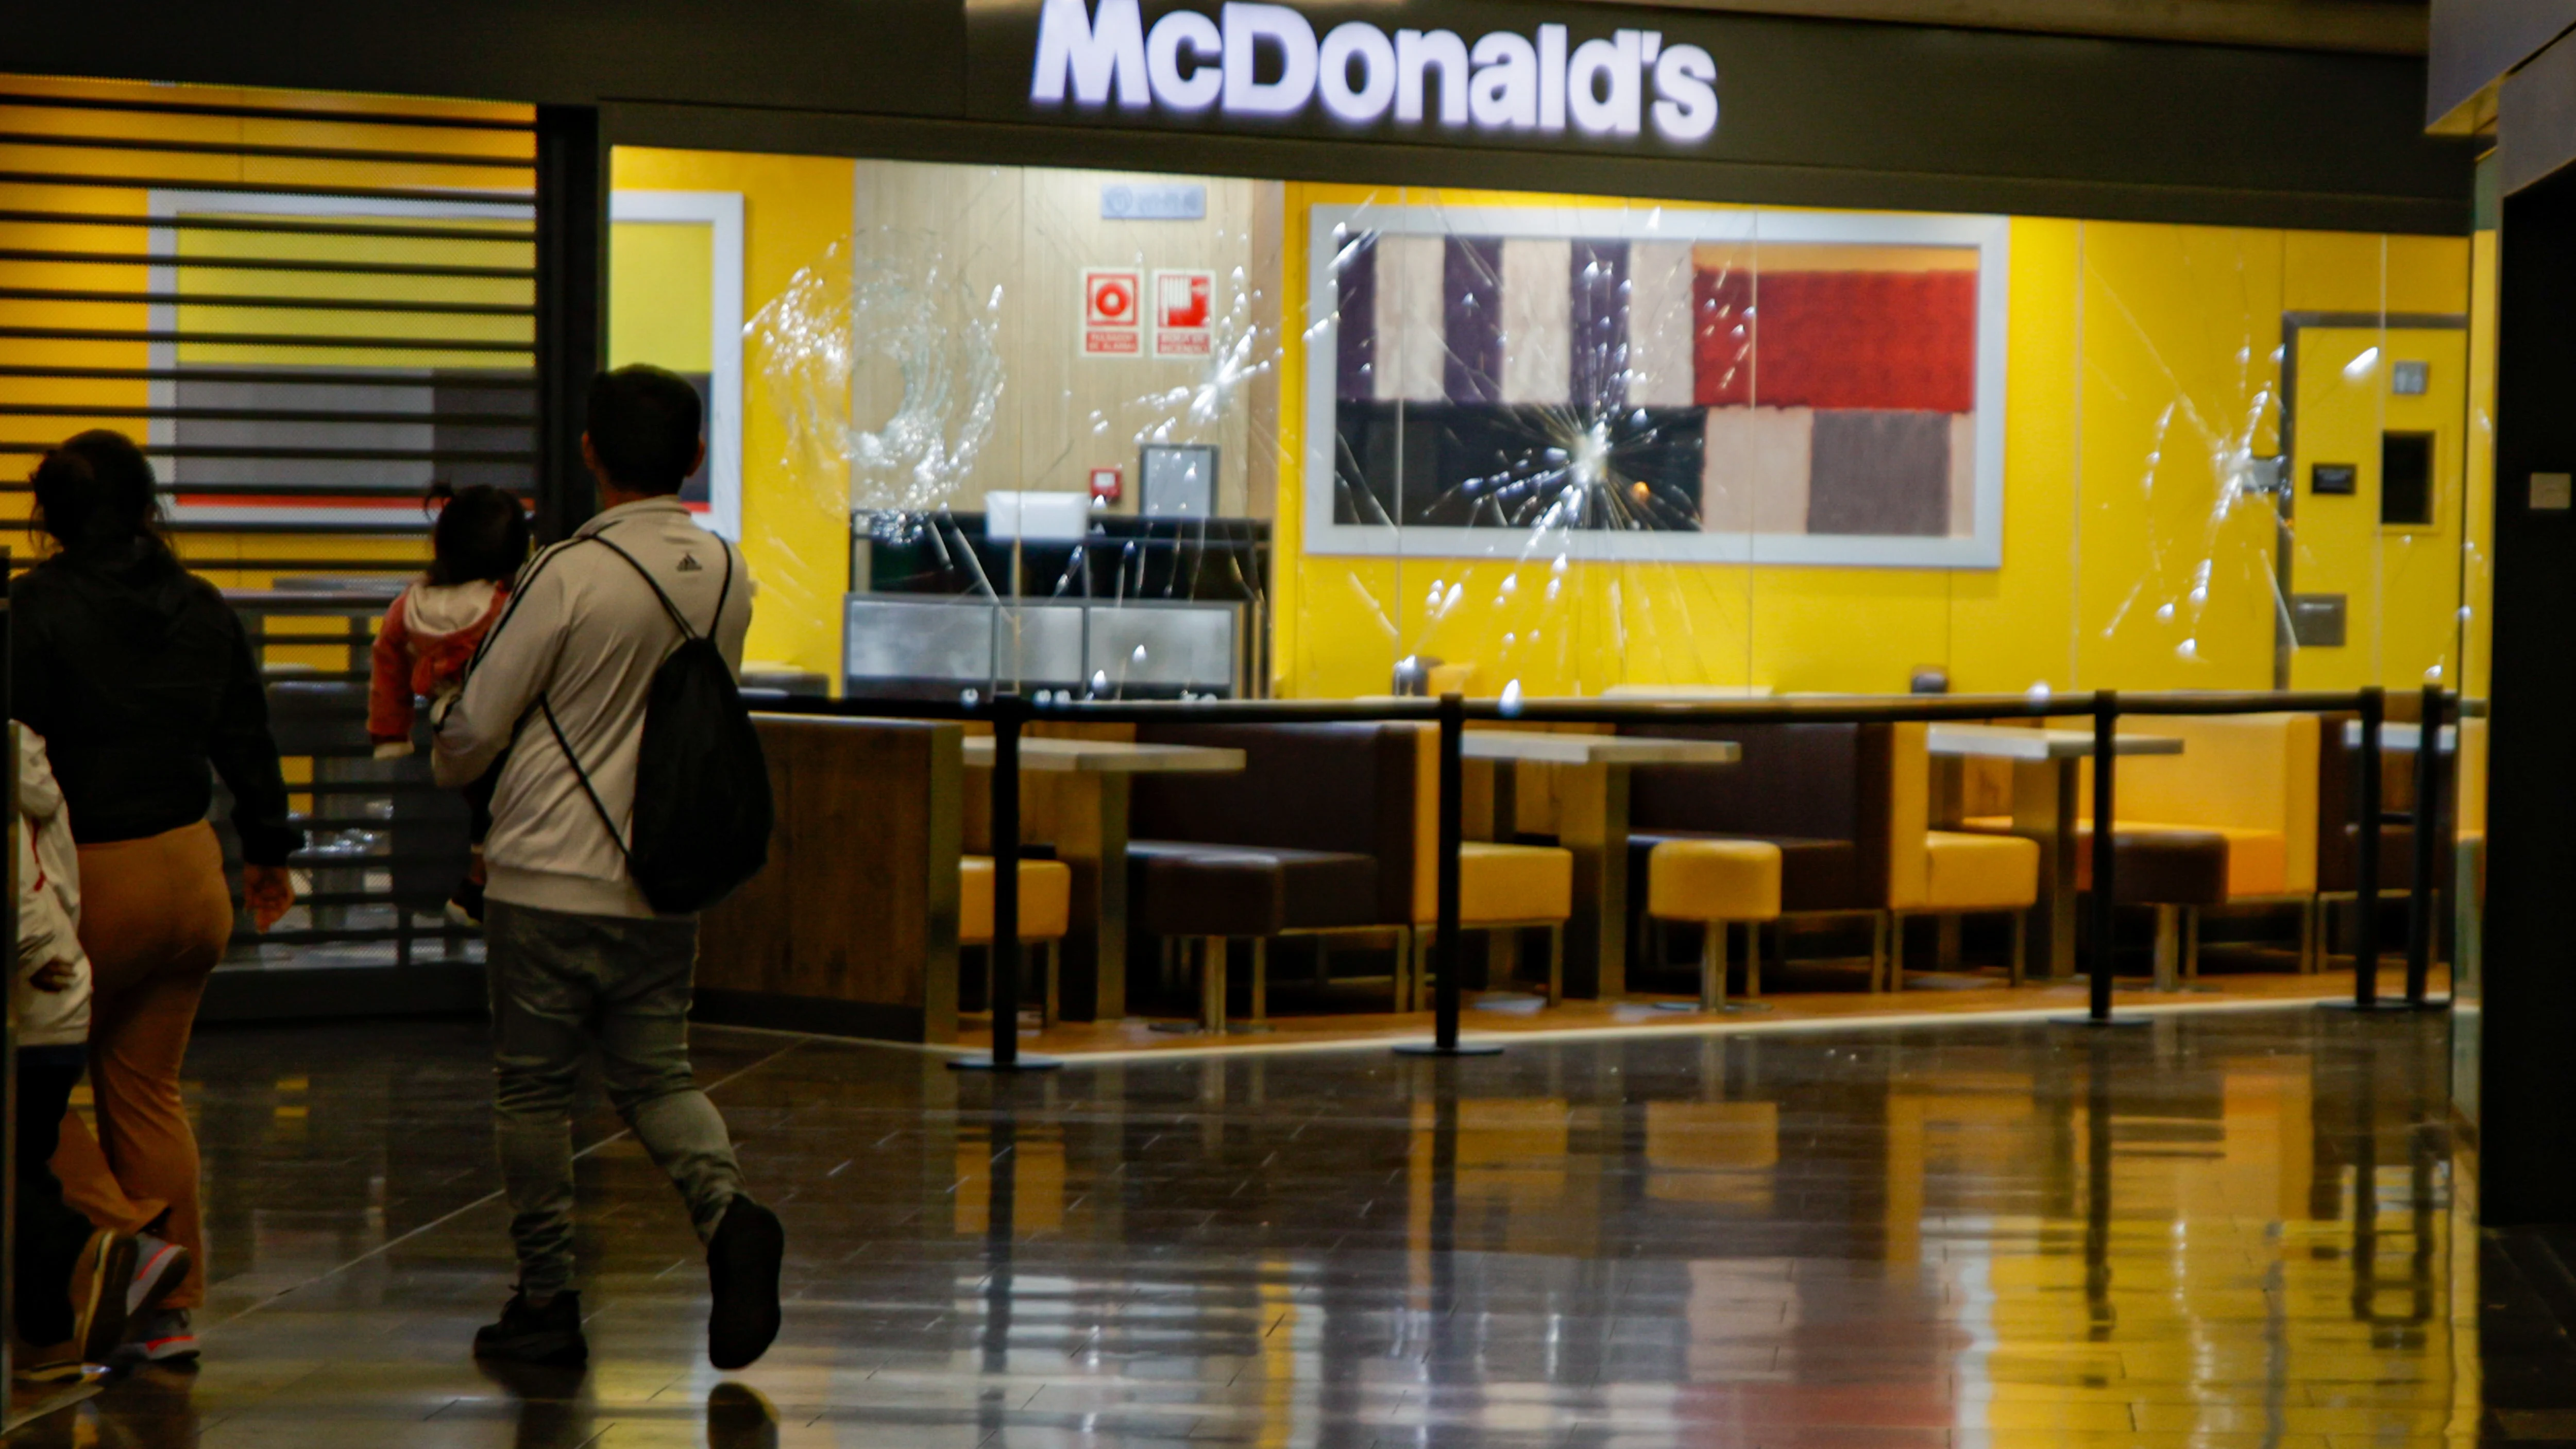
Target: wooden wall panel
{"type": "Point", "coordinates": [853, 927]}
{"type": "Point", "coordinates": [1026, 234]}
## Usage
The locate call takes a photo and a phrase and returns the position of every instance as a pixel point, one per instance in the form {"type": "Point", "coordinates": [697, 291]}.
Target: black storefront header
{"type": "Point", "coordinates": [1628, 100]}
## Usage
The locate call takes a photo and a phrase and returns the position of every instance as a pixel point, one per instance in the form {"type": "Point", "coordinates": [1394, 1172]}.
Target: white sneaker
{"type": "Point", "coordinates": [163, 1337]}
{"type": "Point", "coordinates": [159, 1267]}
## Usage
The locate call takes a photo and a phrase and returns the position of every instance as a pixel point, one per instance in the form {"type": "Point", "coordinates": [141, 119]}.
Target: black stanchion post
{"type": "Point", "coordinates": [2365, 966]}
{"type": "Point", "coordinates": [1445, 950]}
{"type": "Point", "coordinates": [1010, 712]}
{"type": "Point", "coordinates": [2106, 868]}
{"type": "Point", "coordinates": [2106, 857]}
{"type": "Point", "coordinates": [1006, 881]}
{"type": "Point", "coordinates": [1452, 785]}
{"type": "Point", "coordinates": [2427, 836]}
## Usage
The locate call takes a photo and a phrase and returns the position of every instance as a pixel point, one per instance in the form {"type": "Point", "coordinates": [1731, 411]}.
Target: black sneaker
{"type": "Point", "coordinates": [742, 1270]}
{"type": "Point", "coordinates": [550, 1335]}
{"type": "Point", "coordinates": [465, 903]}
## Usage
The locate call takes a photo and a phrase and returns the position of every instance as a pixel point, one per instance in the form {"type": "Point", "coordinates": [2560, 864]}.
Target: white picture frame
{"type": "Point", "coordinates": [722, 211]}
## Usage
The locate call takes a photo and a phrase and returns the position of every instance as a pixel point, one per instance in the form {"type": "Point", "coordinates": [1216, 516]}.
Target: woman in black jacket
{"type": "Point", "coordinates": [140, 679]}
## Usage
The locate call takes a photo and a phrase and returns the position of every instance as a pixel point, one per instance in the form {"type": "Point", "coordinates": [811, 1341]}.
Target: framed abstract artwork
{"type": "Point", "coordinates": [1785, 387]}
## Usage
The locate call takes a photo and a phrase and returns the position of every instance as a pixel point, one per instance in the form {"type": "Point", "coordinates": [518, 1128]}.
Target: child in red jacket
{"type": "Point", "coordinates": [477, 546]}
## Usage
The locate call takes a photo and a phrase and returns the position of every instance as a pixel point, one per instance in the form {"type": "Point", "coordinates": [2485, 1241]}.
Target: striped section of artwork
{"type": "Point", "coordinates": [1824, 388]}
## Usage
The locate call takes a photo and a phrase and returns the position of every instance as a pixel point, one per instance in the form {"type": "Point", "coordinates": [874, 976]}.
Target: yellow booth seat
{"type": "Point", "coordinates": [1046, 911]}
{"type": "Point", "coordinates": [1964, 872]}
{"type": "Point", "coordinates": [1715, 884]}
{"type": "Point", "coordinates": [1046, 900]}
{"type": "Point", "coordinates": [1947, 873]}
{"type": "Point", "coordinates": [1512, 883]}
{"type": "Point", "coordinates": [1502, 888]}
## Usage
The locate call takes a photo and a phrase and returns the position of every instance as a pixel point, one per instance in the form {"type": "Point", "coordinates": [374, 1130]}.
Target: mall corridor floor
{"type": "Point", "coordinates": [2232, 1227]}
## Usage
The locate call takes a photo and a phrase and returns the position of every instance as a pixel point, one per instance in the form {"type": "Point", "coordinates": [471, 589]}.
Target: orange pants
{"type": "Point", "coordinates": [155, 914]}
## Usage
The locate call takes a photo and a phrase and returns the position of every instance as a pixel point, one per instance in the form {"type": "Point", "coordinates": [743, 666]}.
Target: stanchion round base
{"type": "Point", "coordinates": [2383, 1005]}
{"type": "Point", "coordinates": [2089, 1019]}
{"type": "Point", "coordinates": [1724, 1008]}
{"type": "Point", "coordinates": [1435, 1049]}
{"type": "Point", "coordinates": [1178, 1028]}
{"type": "Point", "coordinates": [985, 1063]}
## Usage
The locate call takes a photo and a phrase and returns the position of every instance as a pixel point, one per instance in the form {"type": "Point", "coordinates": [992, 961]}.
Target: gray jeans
{"type": "Point", "coordinates": [563, 988]}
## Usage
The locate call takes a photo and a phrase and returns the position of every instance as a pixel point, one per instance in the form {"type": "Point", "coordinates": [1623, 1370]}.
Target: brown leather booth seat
{"type": "Point", "coordinates": [1316, 833]}
{"type": "Point", "coordinates": [1178, 888]}
{"type": "Point", "coordinates": [2339, 829]}
{"type": "Point", "coordinates": [2180, 872]}
{"type": "Point", "coordinates": [2162, 867]}
{"type": "Point", "coordinates": [1820, 792]}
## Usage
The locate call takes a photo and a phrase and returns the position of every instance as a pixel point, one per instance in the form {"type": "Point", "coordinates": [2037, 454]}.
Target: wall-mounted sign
{"type": "Point", "coordinates": [1112, 312]}
{"type": "Point", "coordinates": [1181, 303]}
{"type": "Point", "coordinates": [1153, 201]}
{"type": "Point", "coordinates": [1254, 62]}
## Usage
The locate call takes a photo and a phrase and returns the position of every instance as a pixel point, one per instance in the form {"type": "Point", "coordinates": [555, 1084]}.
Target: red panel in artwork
{"type": "Point", "coordinates": [1722, 338]}
{"type": "Point", "coordinates": [1904, 341]}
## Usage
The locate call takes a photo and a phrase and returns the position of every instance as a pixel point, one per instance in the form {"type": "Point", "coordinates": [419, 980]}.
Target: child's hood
{"type": "Point", "coordinates": [445, 608]}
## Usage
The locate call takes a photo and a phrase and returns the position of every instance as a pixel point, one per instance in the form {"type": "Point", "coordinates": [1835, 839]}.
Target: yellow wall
{"type": "Point", "coordinates": [661, 286]}
{"type": "Point", "coordinates": [793, 532]}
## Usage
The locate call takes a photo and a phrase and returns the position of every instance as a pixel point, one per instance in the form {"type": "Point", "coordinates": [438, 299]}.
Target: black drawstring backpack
{"type": "Point", "coordinates": [702, 807]}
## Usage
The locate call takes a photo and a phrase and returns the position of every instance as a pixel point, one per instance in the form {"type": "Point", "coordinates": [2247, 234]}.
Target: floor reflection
{"type": "Point", "coordinates": [2230, 1228]}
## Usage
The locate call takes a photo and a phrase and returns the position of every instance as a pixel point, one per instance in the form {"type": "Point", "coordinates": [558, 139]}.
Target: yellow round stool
{"type": "Point", "coordinates": [1715, 884]}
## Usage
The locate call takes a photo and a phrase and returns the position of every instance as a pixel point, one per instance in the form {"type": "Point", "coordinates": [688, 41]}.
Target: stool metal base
{"type": "Point", "coordinates": [984, 1063]}
{"type": "Point", "coordinates": [1435, 1049]}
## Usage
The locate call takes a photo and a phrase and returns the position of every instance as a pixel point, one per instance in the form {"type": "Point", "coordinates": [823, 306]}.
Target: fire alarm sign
{"type": "Point", "coordinates": [1112, 312]}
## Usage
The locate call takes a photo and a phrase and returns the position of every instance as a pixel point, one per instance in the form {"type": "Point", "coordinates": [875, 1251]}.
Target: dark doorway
{"type": "Point", "coordinates": [2406, 479]}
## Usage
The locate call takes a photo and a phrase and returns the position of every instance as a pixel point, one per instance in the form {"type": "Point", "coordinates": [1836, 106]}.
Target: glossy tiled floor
{"type": "Point", "coordinates": [2228, 1228]}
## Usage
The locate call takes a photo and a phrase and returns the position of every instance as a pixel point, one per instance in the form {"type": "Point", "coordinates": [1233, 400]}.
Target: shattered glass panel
{"type": "Point", "coordinates": [1348, 440]}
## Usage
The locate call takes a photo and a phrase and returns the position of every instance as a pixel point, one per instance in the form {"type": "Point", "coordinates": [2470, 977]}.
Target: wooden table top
{"type": "Point", "coordinates": [2006, 742]}
{"type": "Point", "coordinates": [1050, 755]}
{"type": "Point", "coordinates": [1568, 749]}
